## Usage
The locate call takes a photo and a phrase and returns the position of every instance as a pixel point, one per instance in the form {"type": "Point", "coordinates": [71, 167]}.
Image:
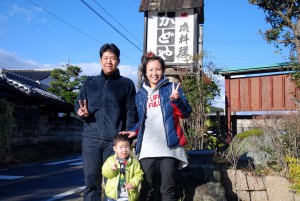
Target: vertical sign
{"type": "Point", "coordinates": [171, 35]}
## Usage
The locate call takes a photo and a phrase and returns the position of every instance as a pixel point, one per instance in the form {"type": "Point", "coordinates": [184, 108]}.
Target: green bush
{"type": "Point", "coordinates": [252, 132]}
{"type": "Point", "coordinates": [294, 170]}
{"type": "Point", "coordinates": [6, 126]}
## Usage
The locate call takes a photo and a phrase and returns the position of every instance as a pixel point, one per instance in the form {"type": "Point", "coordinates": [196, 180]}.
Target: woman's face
{"type": "Point", "coordinates": [154, 72]}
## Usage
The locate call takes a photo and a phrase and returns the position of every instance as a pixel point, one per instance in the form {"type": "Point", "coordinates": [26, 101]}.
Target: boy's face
{"type": "Point", "coordinates": [122, 149]}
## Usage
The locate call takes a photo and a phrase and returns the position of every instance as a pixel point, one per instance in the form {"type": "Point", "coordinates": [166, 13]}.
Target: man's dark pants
{"type": "Point", "coordinates": [94, 153]}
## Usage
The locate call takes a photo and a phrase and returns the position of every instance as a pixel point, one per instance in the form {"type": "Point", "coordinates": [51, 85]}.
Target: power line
{"type": "Point", "coordinates": [233, 44]}
{"type": "Point", "coordinates": [236, 40]}
{"type": "Point", "coordinates": [111, 25]}
{"type": "Point", "coordinates": [74, 27]}
{"type": "Point", "coordinates": [65, 22]}
{"type": "Point", "coordinates": [118, 22]}
{"type": "Point", "coordinates": [246, 58]}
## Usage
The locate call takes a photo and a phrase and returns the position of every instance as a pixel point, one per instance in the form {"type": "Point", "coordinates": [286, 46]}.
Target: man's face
{"type": "Point", "coordinates": [109, 62]}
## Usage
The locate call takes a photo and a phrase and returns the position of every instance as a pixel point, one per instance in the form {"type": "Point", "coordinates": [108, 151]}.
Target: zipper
{"type": "Point", "coordinates": [163, 115]}
{"type": "Point", "coordinates": [143, 119]}
{"type": "Point", "coordinates": [103, 98]}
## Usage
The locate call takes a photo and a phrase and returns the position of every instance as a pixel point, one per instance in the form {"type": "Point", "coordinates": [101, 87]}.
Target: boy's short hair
{"type": "Point", "coordinates": [121, 138]}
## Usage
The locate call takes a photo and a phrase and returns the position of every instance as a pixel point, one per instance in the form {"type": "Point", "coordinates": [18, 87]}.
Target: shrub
{"type": "Point", "coordinates": [200, 87]}
{"type": "Point", "coordinates": [294, 170]}
{"type": "Point", "coordinates": [282, 135]}
{"type": "Point", "coordinates": [252, 132]}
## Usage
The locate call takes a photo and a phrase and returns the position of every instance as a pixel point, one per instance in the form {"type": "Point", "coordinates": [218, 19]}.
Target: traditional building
{"type": "Point", "coordinates": [36, 109]}
{"type": "Point", "coordinates": [28, 88]}
{"type": "Point", "coordinates": [257, 89]}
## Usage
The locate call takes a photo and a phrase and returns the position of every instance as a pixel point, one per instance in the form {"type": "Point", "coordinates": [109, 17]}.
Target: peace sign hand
{"type": "Point", "coordinates": [175, 94]}
{"type": "Point", "coordinates": [83, 110]}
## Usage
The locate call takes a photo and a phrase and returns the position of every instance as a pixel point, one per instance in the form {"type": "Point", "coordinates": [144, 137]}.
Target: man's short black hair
{"type": "Point", "coordinates": [110, 47]}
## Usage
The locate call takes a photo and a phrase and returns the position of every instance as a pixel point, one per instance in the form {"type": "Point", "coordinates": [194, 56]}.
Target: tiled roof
{"type": "Point", "coordinates": [162, 5]}
{"type": "Point", "coordinates": [26, 85]}
{"type": "Point", "coordinates": [33, 74]}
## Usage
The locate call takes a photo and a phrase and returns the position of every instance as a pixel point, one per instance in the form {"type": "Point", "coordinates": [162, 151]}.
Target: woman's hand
{"type": "Point", "coordinates": [83, 110]}
{"type": "Point", "coordinates": [175, 94]}
{"type": "Point", "coordinates": [130, 134]}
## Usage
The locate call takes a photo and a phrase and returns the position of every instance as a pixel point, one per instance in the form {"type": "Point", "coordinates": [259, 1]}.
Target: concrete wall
{"type": "Point", "coordinates": [243, 125]}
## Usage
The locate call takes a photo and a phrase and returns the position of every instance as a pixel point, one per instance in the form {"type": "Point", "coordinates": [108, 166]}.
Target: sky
{"type": "Point", "coordinates": [47, 34]}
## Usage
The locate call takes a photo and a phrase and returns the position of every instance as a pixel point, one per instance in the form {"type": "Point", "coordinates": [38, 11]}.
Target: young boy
{"type": "Point", "coordinates": [123, 172]}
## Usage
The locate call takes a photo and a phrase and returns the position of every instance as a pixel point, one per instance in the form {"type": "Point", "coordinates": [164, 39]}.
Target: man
{"type": "Point", "coordinates": [106, 104]}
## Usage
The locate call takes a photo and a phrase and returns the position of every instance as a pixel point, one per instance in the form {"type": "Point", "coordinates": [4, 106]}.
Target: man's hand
{"type": "Point", "coordinates": [83, 110]}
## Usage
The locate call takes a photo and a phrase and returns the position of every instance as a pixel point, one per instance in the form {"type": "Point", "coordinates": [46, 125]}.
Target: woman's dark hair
{"type": "Point", "coordinates": [110, 47]}
{"type": "Point", "coordinates": [150, 56]}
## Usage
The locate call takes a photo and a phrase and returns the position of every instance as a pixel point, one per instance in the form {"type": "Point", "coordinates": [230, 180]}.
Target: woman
{"type": "Point", "coordinates": [160, 138]}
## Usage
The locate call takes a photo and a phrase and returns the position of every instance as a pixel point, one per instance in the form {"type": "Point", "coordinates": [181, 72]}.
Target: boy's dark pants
{"type": "Point", "coordinates": [160, 177]}
{"type": "Point", "coordinates": [94, 153]}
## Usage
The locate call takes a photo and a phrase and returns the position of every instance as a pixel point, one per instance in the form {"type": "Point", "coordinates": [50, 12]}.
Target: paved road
{"type": "Point", "coordinates": [45, 181]}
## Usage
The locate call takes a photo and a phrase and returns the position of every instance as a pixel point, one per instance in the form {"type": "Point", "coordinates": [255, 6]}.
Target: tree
{"type": "Point", "coordinates": [284, 18]}
{"type": "Point", "coordinates": [200, 88]}
{"type": "Point", "coordinates": [67, 83]}
{"type": "Point", "coordinates": [216, 109]}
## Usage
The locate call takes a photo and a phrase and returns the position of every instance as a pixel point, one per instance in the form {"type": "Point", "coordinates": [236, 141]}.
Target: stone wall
{"type": "Point", "coordinates": [206, 182]}
{"type": "Point", "coordinates": [33, 126]}
{"type": "Point", "coordinates": [242, 123]}
{"type": "Point", "coordinates": [63, 129]}
{"type": "Point", "coordinates": [247, 187]}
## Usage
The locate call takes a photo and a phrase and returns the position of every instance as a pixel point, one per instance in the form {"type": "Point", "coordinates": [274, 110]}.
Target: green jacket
{"type": "Point", "coordinates": [134, 175]}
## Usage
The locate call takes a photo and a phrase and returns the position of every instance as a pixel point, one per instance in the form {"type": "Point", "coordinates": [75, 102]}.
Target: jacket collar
{"type": "Point", "coordinates": [128, 160]}
{"type": "Point", "coordinates": [114, 75]}
{"type": "Point", "coordinates": [160, 83]}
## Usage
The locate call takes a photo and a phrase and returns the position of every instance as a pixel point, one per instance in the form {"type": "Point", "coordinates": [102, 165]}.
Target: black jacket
{"type": "Point", "coordinates": [111, 104]}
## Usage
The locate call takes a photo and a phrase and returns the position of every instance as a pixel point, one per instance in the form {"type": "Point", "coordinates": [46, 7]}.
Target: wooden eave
{"type": "Point", "coordinates": [279, 67]}
{"type": "Point", "coordinates": [169, 5]}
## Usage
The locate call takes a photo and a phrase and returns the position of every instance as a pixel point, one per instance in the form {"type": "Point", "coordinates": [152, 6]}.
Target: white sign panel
{"type": "Point", "coordinates": [171, 35]}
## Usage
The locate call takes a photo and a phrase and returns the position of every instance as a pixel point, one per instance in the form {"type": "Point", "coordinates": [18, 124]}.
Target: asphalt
{"type": "Point", "coordinates": [74, 197]}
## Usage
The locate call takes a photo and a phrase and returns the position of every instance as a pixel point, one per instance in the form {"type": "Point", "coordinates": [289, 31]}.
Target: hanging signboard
{"type": "Point", "coordinates": [171, 35]}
